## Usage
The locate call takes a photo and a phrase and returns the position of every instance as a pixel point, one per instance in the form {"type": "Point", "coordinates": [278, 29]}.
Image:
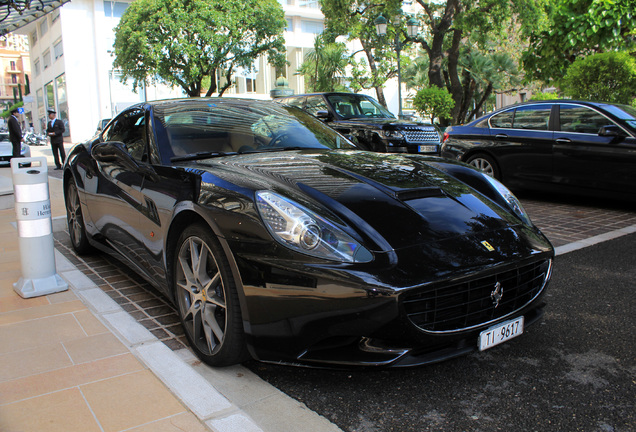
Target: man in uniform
{"type": "Point", "coordinates": [15, 133]}
{"type": "Point", "coordinates": [55, 129]}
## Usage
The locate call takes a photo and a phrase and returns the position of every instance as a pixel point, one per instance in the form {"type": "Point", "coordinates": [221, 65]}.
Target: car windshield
{"type": "Point", "coordinates": [350, 106]}
{"type": "Point", "coordinates": [623, 112]}
{"type": "Point", "coordinates": [209, 128]}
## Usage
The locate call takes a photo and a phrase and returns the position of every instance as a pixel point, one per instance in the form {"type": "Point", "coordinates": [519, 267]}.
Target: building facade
{"type": "Point", "coordinates": [15, 68]}
{"type": "Point", "coordinates": [71, 64]}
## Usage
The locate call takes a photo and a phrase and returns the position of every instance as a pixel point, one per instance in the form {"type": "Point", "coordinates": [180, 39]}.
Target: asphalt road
{"type": "Point", "coordinates": [574, 371]}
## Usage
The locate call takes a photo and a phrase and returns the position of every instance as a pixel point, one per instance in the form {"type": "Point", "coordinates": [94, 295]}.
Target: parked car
{"type": "Point", "coordinates": [571, 146]}
{"type": "Point", "coordinates": [6, 149]}
{"type": "Point", "coordinates": [366, 122]}
{"type": "Point", "coordinates": [277, 238]}
{"type": "Point", "coordinates": [101, 125]}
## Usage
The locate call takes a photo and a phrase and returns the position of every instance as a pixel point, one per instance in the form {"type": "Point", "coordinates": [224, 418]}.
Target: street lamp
{"type": "Point", "coordinates": [412, 28]}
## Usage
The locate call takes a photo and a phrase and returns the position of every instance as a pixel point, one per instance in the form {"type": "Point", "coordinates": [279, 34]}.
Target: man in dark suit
{"type": "Point", "coordinates": [55, 129]}
{"type": "Point", "coordinates": [15, 133]}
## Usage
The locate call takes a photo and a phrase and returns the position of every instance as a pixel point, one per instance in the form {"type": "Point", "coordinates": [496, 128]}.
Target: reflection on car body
{"type": "Point", "coordinates": [572, 146]}
{"type": "Point", "coordinates": [276, 238]}
{"type": "Point", "coordinates": [6, 149]}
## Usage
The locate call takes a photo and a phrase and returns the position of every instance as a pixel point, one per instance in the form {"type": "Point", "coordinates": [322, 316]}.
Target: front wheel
{"type": "Point", "coordinates": [485, 164]}
{"type": "Point", "coordinates": [75, 220]}
{"type": "Point", "coordinates": [207, 299]}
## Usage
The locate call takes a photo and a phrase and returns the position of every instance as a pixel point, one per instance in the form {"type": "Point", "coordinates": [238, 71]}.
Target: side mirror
{"type": "Point", "coordinates": [111, 152]}
{"type": "Point", "coordinates": [323, 115]}
{"type": "Point", "coordinates": [611, 131]}
{"type": "Point", "coordinates": [115, 152]}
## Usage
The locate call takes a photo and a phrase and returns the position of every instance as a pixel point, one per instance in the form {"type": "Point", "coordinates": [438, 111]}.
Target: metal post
{"type": "Point", "coordinates": [35, 229]}
{"type": "Point", "coordinates": [398, 48]}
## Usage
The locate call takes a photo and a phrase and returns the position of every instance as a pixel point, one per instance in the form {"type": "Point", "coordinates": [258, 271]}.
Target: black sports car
{"type": "Point", "coordinates": [586, 148]}
{"type": "Point", "coordinates": [277, 238]}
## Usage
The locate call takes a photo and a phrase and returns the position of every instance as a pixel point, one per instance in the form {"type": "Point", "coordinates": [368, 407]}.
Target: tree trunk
{"type": "Point", "coordinates": [379, 91]}
{"type": "Point", "coordinates": [483, 99]}
{"type": "Point", "coordinates": [212, 88]}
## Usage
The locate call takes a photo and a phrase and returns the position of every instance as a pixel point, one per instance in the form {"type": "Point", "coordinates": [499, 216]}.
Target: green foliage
{"type": "Point", "coordinates": [580, 28]}
{"type": "Point", "coordinates": [6, 113]}
{"type": "Point", "coordinates": [434, 102]}
{"type": "Point", "coordinates": [541, 96]}
{"type": "Point", "coordinates": [608, 77]}
{"type": "Point", "coordinates": [182, 41]}
{"type": "Point", "coordinates": [324, 68]}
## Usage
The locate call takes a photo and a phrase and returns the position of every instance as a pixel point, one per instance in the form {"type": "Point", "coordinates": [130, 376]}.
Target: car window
{"type": "Point", "coordinates": [357, 106]}
{"type": "Point", "coordinates": [535, 117]}
{"type": "Point", "coordinates": [502, 120]}
{"type": "Point", "coordinates": [315, 104]}
{"type": "Point", "coordinates": [581, 119]}
{"type": "Point", "coordinates": [130, 128]}
{"type": "Point", "coordinates": [294, 101]}
{"type": "Point", "coordinates": [227, 127]}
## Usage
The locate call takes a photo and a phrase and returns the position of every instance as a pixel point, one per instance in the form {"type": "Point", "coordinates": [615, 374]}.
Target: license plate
{"type": "Point", "coordinates": [500, 333]}
{"type": "Point", "coordinates": [427, 148]}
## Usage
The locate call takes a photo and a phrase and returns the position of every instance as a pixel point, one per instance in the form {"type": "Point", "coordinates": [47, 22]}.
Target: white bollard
{"type": "Point", "coordinates": [35, 229]}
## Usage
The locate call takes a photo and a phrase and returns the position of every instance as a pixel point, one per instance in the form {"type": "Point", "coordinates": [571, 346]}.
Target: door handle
{"type": "Point", "coordinates": [501, 136]}
{"type": "Point", "coordinates": [564, 141]}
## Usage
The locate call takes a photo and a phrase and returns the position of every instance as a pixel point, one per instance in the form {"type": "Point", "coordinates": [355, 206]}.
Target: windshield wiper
{"type": "Point", "coordinates": [200, 155]}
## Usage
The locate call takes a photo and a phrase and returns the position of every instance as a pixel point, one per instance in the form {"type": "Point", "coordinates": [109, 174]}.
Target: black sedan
{"type": "Point", "coordinates": [277, 238]}
{"type": "Point", "coordinates": [369, 124]}
{"type": "Point", "coordinates": [563, 145]}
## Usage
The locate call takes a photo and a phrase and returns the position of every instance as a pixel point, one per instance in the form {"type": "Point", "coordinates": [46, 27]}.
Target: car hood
{"type": "Point", "coordinates": [399, 201]}
{"type": "Point", "coordinates": [6, 148]}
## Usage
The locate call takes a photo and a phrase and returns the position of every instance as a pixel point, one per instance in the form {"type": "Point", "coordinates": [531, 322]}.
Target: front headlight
{"type": "Point", "coordinates": [513, 203]}
{"type": "Point", "coordinates": [304, 231]}
{"type": "Point", "coordinates": [392, 134]}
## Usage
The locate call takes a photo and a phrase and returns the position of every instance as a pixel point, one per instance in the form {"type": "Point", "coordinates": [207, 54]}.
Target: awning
{"type": "Point", "coordinates": [18, 13]}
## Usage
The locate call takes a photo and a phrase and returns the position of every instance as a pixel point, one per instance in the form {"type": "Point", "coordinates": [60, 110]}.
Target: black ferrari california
{"type": "Point", "coordinates": [277, 239]}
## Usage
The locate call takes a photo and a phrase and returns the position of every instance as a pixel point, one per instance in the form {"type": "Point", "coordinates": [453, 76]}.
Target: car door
{"type": "Point", "coordinates": [521, 141]}
{"type": "Point", "coordinates": [114, 188]}
{"type": "Point", "coordinates": [585, 159]}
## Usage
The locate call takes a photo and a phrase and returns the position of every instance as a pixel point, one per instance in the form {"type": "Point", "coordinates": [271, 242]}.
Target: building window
{"type": "Point", "coordinates": [46, 59]}
{"type": "Point", "coordinates": [36, 67]}
{"type": "Point", "coordinates": [39, 96]}
{"type": "Point", "coordinates": [290, 25]}
{"type": "Point", "coordinates": [44, 26]}
{"type": "Point", "coordinates": [114, 9]}
{"type": "Point", "coordinates": [12, 65]}
{"type": "Point", "coordinates": [60, 85]}
{"type": "Point", "coordinates": [55, 15]}
{"type": "Point", "coordinates": [34, 37]}
{"type": "Point", "coordinates": [311, 27]}
{"type": "Point", "coordinates": [250, 85]}
{"type": "Point", "coordinates": [14, 79]}
{"type": "Point", "coordinates": [312, 4]}
{"type": "Point", "coordinates": [58, 49]}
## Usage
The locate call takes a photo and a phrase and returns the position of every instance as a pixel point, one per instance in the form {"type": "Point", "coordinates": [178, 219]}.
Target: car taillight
{"type": "Point", "coordinates": [445, 137]}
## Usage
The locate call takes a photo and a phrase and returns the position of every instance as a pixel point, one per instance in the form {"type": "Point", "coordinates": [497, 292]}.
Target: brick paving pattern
{"type": "Point", "coordinates": [561, 223]}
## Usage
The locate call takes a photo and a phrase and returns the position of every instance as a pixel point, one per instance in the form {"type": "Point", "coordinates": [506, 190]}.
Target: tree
{"type": "Point", "coordinates": [579, 28]}
{"type": "Point", "coordinates": [435, 102]}
{"type": "Point", "coordinates": [324, 68]}
{"type": "Point", "coordinates": [608, 77]}
{"type": "Point", "coordinates": [182, 41]}
{"type": "Point", "coordinates": [447, 27]}
{"type": "Point", "coordinates": [355, 20]}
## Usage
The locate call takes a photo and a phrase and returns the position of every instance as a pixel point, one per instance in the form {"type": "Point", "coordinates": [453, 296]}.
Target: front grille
{"type": "Point", "coordinates": [470, 303]}
{"type": "Point", "coordinates": [420, 135]}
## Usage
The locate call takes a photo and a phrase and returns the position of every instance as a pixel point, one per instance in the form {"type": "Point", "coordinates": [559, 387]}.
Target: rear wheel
{"type": "Point", "coordinates": [485, 164]}
{"type": "Point", "coordinates": [207, 299]}
{"type": "Point", "coordinates": [75, 220]}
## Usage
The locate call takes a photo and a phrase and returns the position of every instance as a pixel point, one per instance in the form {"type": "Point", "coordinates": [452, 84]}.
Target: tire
{"type": "Point", "coordinates": [485, 164]}
{"type": "Point", "coordinates": [75, 220]}
{"type": "Point", "coordinates": [207, 300]}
